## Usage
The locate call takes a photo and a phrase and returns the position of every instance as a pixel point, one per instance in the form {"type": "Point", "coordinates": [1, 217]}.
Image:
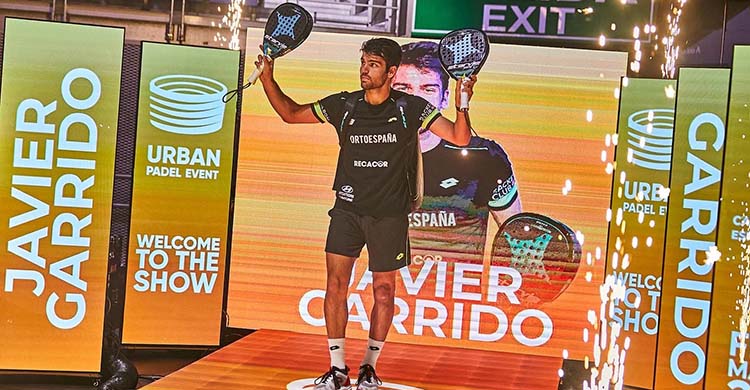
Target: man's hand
{"type": "Point", "coordinates": [458, 132]}
{"type": "Point", "coordinates": [267, 63]}
{"type": "Point", "coordinates": [465, 85]}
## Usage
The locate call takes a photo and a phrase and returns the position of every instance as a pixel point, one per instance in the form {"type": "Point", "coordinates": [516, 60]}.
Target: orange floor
{"type": "Point", "coordinates": [276, 360]}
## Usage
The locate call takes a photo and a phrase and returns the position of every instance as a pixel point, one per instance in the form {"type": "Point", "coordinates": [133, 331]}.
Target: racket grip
{"type": "Point", "coordinates": [256, 73]}
{"type": "Point", "coordinates": [464, 104]}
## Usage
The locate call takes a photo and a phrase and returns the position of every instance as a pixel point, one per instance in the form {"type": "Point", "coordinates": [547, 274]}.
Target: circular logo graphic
{"type": "Point", "coordinates": [309, 384]}
{"type": "Point", "coordinates": [347, 189]}
{"type": "Point", "coordinates": [186, 104]}
{"type": "Point", "coordinates": [650, 138]}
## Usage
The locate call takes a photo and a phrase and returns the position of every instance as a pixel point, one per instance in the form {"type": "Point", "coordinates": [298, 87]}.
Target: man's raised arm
{"type": "Point", "coordinates": [458, 132]}
{"type": "Point", "coordinates": [289, 110]}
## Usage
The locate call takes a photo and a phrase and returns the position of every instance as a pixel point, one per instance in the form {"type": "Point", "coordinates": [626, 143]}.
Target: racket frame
{"type": "Point", "coordinates": [269, 41]}
{"type": "Point", "coordinates": [464, 96]}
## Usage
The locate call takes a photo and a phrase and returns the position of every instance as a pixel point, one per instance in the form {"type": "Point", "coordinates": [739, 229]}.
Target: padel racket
{"type": "Point", "coordinates": [546, 253]}
{"type": "Point", "coordinates": [462, 54]}
{"type": "Point", "coordinates": [287, 28]}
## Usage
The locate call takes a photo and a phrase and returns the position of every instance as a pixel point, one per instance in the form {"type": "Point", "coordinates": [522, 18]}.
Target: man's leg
{"type": "Point", "coordinates": [343, 245]}
{"type": "Point", "coordinates": [388, 245]}
{"type": "Point", "coordinates": [339, 272]}
{"type": "Point", "coordinates": [381, 318]}
{"type": "Point", "coordinates": [384, 292]}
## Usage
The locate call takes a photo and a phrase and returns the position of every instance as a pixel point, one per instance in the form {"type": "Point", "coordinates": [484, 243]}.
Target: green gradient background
{"type": "Point", "coordinates": [698, 91]}
{"type": "Point", "coordinates": [37, 55]}
{"type": "Point", "coordinates": [180, 206]}
{"type": "Point", "coordinates": [640, 94]}
{"type": "Point", "coordinates": [725, 316]}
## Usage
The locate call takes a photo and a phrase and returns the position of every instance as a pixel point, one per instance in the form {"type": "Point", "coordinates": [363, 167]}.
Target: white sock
{"type": "Point", "coordinates": [373, 352]}
{"type": "Point", "coordinates": [336, 349]}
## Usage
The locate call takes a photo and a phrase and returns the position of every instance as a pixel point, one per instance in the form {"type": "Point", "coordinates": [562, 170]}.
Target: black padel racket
{"type": "Point", "coordinates": [462, 54]}
{"type": "Point", "coordinates": [546, 253]}
{"type": "Point", "coordinates": [287, 28]}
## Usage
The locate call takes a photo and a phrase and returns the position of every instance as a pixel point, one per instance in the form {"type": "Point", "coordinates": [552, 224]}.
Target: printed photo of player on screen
{"type": "Point", "coordinates": [463, 185]}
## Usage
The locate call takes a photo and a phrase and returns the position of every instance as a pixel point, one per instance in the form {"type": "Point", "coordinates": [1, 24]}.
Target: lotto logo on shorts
{"type": "Point", "coordinates": [448, 183]}
{"type": "Point", "coordinates": [400, 256]}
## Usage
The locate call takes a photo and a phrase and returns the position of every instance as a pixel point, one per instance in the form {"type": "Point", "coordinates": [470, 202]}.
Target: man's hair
{"type": "Point", "coordinates": [386, 48]}
{"type": "Point", "coordinates": [424, 55]}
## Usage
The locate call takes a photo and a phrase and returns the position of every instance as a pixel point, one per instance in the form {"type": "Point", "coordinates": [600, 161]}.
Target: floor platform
{"type": "Point", "coordinates": [268, 359]}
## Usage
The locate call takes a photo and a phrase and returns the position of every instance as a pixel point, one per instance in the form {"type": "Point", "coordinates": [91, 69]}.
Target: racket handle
{"type": "Point", "coordinates": [464, 98]}
{"type": "Point", "coordinates": [256, 73]}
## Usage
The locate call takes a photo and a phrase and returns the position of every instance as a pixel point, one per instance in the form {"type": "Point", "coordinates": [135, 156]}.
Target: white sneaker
{"type": "Point", "coordinates": [367, 380]}
{"type": "Point", "coordinates": [334, 379]}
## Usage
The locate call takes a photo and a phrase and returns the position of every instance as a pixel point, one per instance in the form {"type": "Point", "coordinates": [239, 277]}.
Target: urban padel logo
{"type": "Point", "coordinates": [650, 139]}
{"type": "Point", "coordinates": [186, 104]}
{"type": "Point", "coordinates": [309, 384]}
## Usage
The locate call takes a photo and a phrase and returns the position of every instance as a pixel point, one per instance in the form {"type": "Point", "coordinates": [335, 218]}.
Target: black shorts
{"type": "Point", "coordinates": [387, 238]}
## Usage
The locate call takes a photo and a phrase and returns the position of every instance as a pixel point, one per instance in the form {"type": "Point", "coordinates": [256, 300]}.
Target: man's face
{"type": "Point", "coordinates": [373, 72]}
{"type": "Point", "coordinates": [422, 82]}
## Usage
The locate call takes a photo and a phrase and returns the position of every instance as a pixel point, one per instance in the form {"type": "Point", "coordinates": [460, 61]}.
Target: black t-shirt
{"type": "Point", "coordinates": [371, 172]}
{"type": "Point", "coordinates": [462, 186]}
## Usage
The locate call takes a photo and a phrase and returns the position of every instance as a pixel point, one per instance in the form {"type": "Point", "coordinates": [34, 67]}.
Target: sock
{"type": "Point", "coordinates": [373, 352]}
{"type": "Point", "coordinates": [336, 349]}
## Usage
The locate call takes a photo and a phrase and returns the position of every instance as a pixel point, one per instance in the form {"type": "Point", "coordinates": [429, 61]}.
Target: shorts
{"type": "Point", "coordinates": [387, 238]}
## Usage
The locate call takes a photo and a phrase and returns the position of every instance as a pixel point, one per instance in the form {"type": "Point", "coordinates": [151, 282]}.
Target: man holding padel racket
{"type": "Point", "coordinates": [378, 134]}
